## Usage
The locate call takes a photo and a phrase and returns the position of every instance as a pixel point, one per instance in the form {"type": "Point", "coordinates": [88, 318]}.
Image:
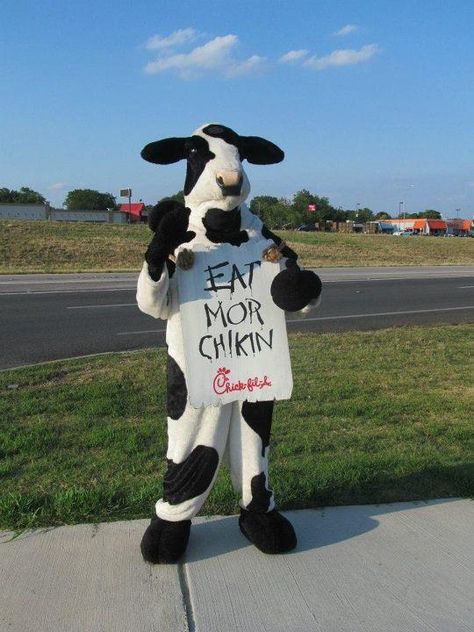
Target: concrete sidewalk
{"type": "Point", "coordinates": [395, 567]}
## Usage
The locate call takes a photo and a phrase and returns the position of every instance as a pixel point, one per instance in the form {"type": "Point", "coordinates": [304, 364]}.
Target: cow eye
{"type": "Point", "coordinates": [193, 151]}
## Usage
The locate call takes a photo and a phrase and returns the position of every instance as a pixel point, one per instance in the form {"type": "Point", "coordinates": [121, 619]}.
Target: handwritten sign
{"type": "Point", "coordinates": [235, 341]}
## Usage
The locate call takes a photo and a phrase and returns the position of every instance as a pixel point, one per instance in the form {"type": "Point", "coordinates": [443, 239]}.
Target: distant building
{"type": "Point", "coordinates": [459, 227]}
{"type": "Point", "coordinates": [379, 226]}
{"type": "Point", "coordinates": [46, 212]}
{"type": "Point", "coordinates": [135, 212]}
{"type": "Point", "coordinates": [419, 226]}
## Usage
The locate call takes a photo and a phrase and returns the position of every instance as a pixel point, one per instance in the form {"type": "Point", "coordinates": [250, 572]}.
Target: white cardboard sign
{"type": "Point", "coordinates": [235, 340]}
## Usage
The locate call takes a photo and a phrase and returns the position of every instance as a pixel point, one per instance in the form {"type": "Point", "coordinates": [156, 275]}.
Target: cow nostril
{"type": "Point", "coordinates": [230, 182]}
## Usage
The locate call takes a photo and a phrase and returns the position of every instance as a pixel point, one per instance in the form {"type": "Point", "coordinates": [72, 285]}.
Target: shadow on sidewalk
{"type": "Point", "coordinates": [315, 528]}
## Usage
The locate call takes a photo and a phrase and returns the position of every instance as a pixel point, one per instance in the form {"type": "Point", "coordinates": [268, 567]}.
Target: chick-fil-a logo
{"type": "Point", "coordinates": [222, 383]}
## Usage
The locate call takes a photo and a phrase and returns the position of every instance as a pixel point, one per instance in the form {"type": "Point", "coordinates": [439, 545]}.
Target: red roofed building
{"type": "Point", "coordinates": [419, 226]}
{"type": "Point", "coordinates": [422, 226]}
{"type": "Point", "coordinates": [459, 227]}
{"type": "Point", "coordinates": [435, 227]}
{"type": "Point", "coordinates": [135, 212]}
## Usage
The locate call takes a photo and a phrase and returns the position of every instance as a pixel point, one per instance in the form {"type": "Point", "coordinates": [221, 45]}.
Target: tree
{"type": "Point", "coordinates": [340, 215]}
{"type": "Point", "coordinates": [274, 212]}
{"type": "Point", "coordinates": [430, 214]}
{"type": "Point", "coordinates": [299, 207]}
{"type": "Point", "coordinates": [383, 215]}
{"type": "Point", "coordinates": [179, 197]}
{"type": "Point", "coordinates": [279, 214]}
{"type": "Point", "coordinates": [89, 200]}
{"type": "Point", "coordinates": [302, 199]}
{"type": "Point", "coordinates": [364, 215]}
{"type": "Point", "coordinates": [24, 196]}
{"type": "Point", "coordinates": [261, 206]}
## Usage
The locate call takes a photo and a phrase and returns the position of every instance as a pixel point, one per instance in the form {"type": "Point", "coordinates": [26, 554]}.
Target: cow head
{"type": "Point", "coordinates": [215, 177]}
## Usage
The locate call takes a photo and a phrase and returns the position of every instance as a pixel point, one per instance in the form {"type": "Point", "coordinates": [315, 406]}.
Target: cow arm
{"type": "Point", "coordinates": [293, 289]}
{"type": "Point", "coordinates": [154, 297]}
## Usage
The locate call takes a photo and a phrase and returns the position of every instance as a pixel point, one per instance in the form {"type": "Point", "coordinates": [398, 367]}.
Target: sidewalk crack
{"type": "Point", "coordinates": [186, 595]}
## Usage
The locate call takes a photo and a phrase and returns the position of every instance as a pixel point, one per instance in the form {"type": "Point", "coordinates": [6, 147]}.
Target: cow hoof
{"type": "Point", "coordinates": [185, 259]}
{"type": "Point", "coordinates": [272, 254]}
{"type": "Point", "coordinates": [269, 532]}
{"type": "Point", "coordinates": [165, 542]}
{"type": "Point", "coordinates": [292, 289]}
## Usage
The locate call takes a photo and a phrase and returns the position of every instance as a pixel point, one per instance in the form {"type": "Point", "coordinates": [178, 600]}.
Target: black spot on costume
{"type": "Point", "coordinates": [192, 477]}
{"type": "Point", "coordinates": [177, 393]}
{"type": "Point", "coordinates": [260, 494]}
{"type": "Point", "coordinates": [258, 415]}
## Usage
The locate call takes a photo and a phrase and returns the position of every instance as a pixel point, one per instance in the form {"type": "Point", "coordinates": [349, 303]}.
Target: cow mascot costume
{"type": "Point", "coordinates": [233, 423]}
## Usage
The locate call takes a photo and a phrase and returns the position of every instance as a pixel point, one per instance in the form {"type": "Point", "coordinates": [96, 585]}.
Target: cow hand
{"type": "Point", "coordinates": [293, 289]}
{"type": "Point", "coordinates": [171, 232]}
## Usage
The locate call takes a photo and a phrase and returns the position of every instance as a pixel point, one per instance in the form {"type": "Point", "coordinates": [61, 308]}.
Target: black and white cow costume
{"type": "Point", "coordinates": [199, 439]}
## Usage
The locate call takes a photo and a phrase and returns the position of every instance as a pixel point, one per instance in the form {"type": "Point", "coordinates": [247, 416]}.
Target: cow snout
{"type": "Point", "coordinates": [230, 182]}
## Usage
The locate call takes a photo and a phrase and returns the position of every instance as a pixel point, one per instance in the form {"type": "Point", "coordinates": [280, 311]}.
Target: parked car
{"type": "Point", "coordinates": [306, 227]}
{"type": "Point", "coordinates": [405, 233]}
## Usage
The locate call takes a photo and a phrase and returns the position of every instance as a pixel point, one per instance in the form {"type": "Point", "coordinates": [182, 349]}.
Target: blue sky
{"type": "Point", "coordinates": [372, 102]}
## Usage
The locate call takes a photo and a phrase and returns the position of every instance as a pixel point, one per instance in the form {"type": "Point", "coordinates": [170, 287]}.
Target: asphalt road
{"type": "Point", "coordinates": [49, 317]}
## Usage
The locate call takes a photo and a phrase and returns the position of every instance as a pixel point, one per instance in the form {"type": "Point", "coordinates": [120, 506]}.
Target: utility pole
{"type": "Point", "coordinates": [127, 193]}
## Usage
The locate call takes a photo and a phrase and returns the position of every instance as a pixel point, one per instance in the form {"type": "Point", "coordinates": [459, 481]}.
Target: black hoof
{"type": "Point", "coordinates": [165, 542]}
{"type": "Point", "coordinates": [269, 532]}
{"type": "Point", "coordinates": [292, 289]}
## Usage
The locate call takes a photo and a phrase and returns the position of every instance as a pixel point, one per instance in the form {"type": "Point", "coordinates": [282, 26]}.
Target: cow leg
{"type": "Point", "coordinates": [196, 443]}
{"type": "Point", "coordinates": [248, 448]}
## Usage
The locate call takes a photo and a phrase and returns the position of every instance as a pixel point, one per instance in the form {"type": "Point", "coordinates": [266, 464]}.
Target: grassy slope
{"type": "Point", "coordinates": [75, 247]}
{"type": "Point", "coordinates": [333, 249]}
{"type": "Point", "coordinates": [375, 417]}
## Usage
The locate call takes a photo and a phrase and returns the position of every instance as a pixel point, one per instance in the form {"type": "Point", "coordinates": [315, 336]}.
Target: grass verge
{"type": "Point", "coordinates": [42, 246]}
{"type": "Point", "coordinates": [375, 417]}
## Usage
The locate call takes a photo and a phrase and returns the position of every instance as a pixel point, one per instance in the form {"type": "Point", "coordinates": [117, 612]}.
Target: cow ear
{"type": "Point", "coordinates": [259, 151]}
{"type": "Point", "coordinates": [166, 151]}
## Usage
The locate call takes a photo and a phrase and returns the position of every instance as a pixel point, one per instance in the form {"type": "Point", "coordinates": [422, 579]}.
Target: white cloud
{"type": "Point", "coordinates": [347, 29]}
{"type": "Point", "coordinates": [218, 56]}
{"type": "Point", "coordinates": [293, 55]}
{"type": "Point", "coordinates": [58, 186]}
{"type": "Point", "coordinates": [178, 38]}
{"type": "Point", "coordinates": [215, 55]}
{"type": "Point", "coordinates": [343, 57]}
{"type": "Point", "coordinates": [239, 68]}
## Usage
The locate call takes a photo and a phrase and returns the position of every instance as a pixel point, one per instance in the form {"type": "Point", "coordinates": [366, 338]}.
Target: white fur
{"type": "Point", "coordinates": [206, 193]}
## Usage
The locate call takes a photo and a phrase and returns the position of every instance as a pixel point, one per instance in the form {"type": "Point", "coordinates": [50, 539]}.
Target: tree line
{"type": "Point", "coordinates": [303, 208]}
{"type": "Point", "coordinates": [76, 200]}
{"type": "Point", "coordinates": [24, 196]}
{"type": "Point", "coordinates": [282, 213]}
{"type": "Point", "coordinates": [306, 208]}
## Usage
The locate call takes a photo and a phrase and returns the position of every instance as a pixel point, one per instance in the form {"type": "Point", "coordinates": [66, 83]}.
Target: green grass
{"type": "Point", "coordinates": [375, 417]}
{"type": "Point", "coordinates": [340, 249]}
{"type": "Point", "coordinates": [40, 246]}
